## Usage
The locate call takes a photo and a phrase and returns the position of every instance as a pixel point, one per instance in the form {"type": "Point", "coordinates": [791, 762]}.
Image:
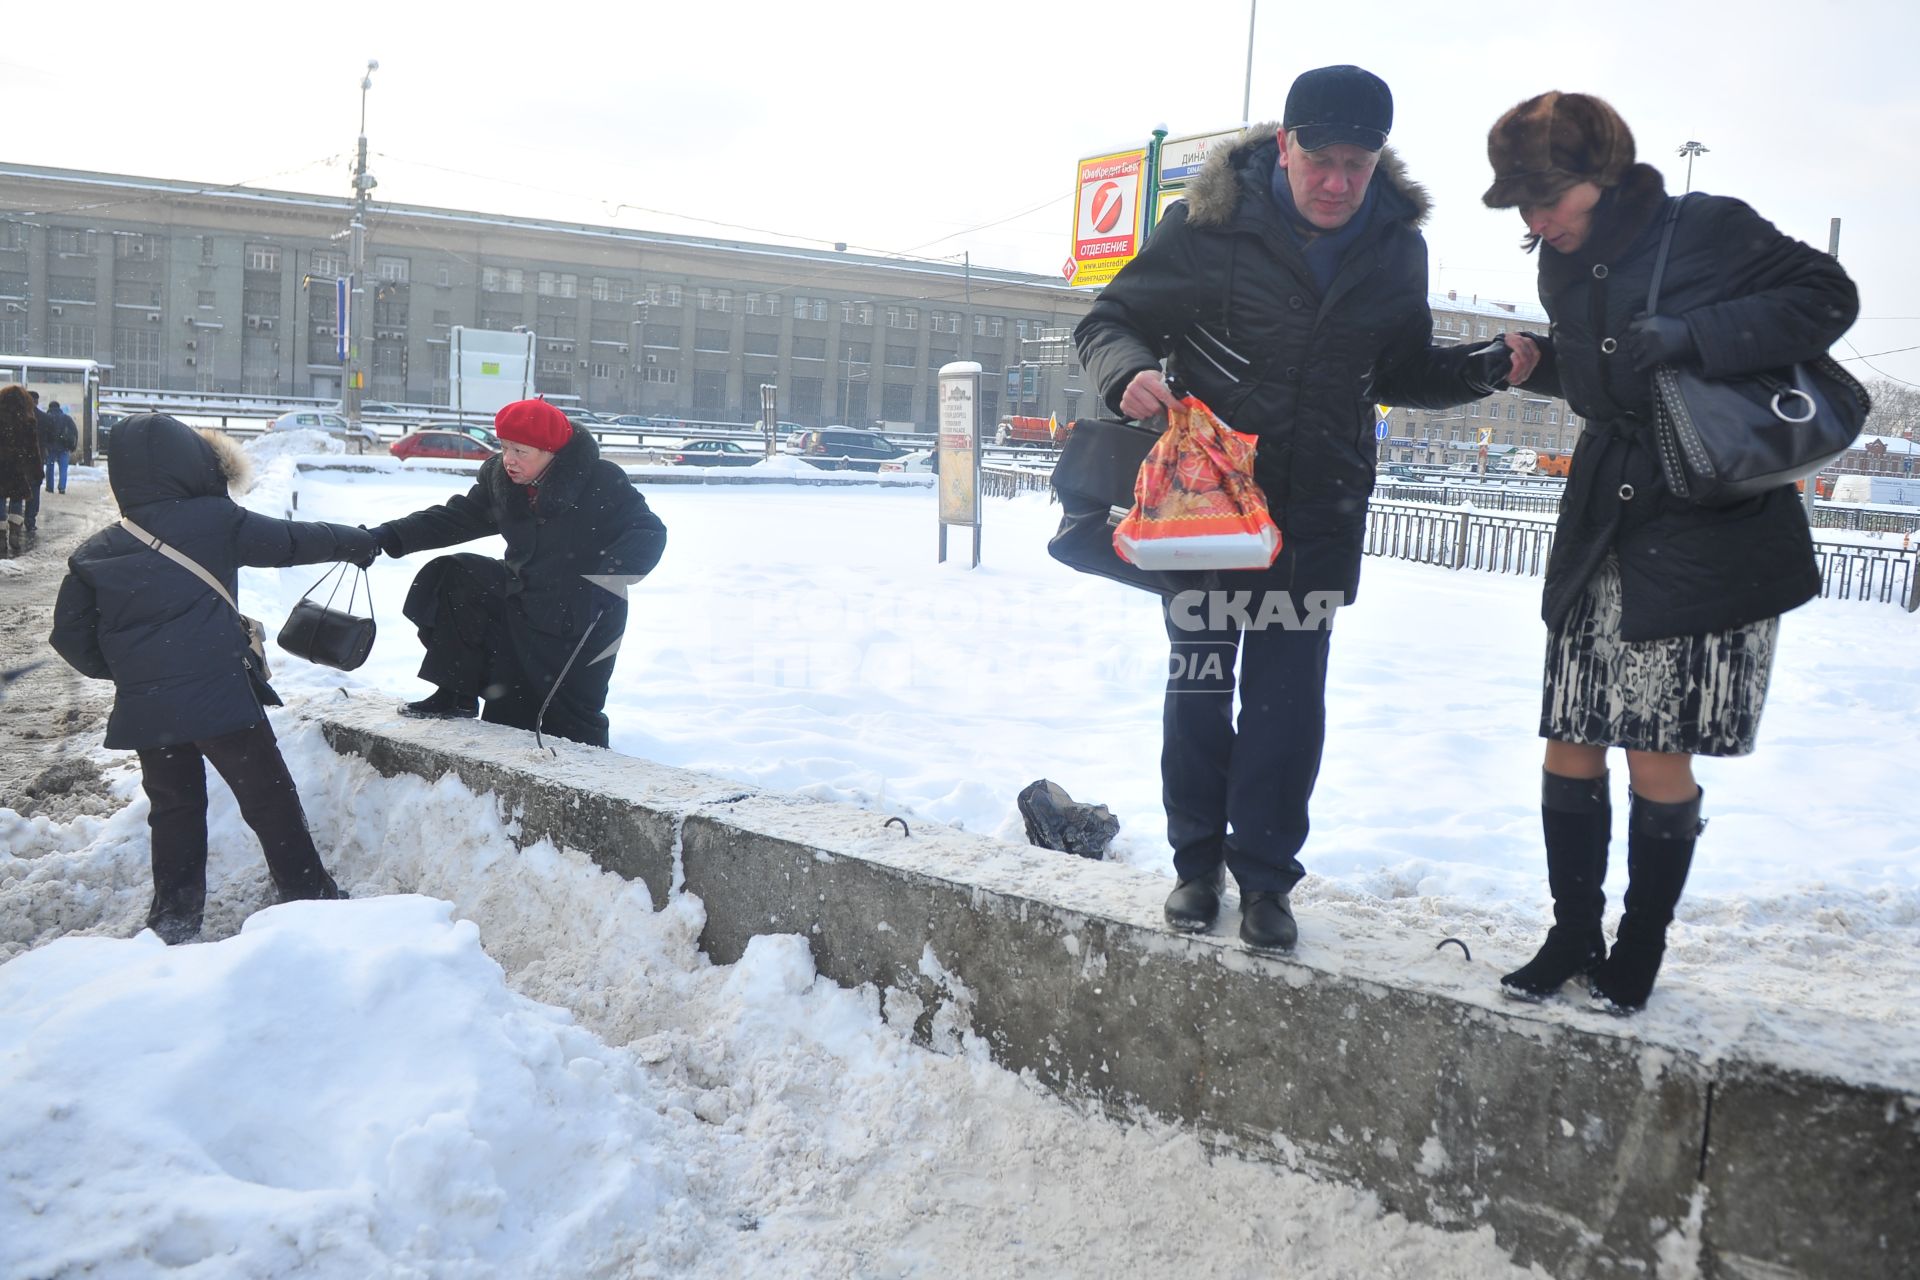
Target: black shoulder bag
{"type": "Point", "coordinates": [1723, 440]}
{"type": "Point", "coordinates": [332, 637]}
{"type": "Point", "coordinates": [1093, 480]}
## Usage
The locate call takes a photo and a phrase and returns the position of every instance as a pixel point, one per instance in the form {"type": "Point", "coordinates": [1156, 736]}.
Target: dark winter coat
{"type": "Point", "coordinates": [590, 521]}
{"type": "Point", "coordinates": [1753, 299]}
{"type": "Point", "coordinates": [176, 653]}
{"type": "Point", "coordinates": [66, 435]}
{"type": "Point", "coordinates": [21, 464]}
{"type": "Point", "coordinates": [1224, 293]}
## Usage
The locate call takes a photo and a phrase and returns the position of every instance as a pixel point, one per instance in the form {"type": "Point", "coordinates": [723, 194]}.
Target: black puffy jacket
{"type": "Point", "coordinates": [177, 655]}
{"type": "Point", "coordinates": [590, 520]}
{"type": "Point", "coordinates": [1753, 299]}
{"type": "Point", "coordinates": [1223, 293]}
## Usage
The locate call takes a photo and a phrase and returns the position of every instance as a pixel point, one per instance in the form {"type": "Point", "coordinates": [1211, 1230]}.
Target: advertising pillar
{"type": "Point", "coordinates": [959, 452]}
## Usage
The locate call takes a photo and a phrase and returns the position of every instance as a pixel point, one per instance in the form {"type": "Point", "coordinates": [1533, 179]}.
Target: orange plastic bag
{"type": "Point", "coordinates": [1196, 505]}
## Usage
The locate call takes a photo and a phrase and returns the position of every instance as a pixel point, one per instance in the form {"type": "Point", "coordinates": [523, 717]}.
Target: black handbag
{"type": "Point", "coordinates": [332, 637]}
{"type": "Point", "coordinates": [1723, 440]}
{"type": "Point", "coordinates": [1093, 481]}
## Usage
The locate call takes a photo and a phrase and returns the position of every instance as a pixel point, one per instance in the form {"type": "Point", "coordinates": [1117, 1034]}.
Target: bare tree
{"type": "Point", "coordinates": [1896, 409]}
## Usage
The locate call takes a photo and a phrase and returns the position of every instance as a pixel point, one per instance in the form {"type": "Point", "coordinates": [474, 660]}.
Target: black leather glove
{"type": "Point", "coordinates": [363, 550]}
{"type": "Point", "coordinates": [1488, 366]}
{"type": "Point", "coordinates": [1657, 340]}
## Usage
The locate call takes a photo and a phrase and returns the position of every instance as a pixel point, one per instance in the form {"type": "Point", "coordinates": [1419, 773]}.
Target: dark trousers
{"type": "Point", "coordinates": [1240, 796]}
{"type": "Point", "coordinates": [175, 779]}
{"type": "Point", "coordinates": [480, 643]}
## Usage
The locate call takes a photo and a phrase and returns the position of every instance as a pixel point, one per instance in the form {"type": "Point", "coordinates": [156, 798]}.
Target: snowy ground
{"type": "Point", "coordinates": [687, 1119]}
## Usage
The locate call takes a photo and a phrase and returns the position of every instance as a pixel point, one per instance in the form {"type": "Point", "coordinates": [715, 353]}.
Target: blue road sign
{"type": "Point", "coordinates": [1380, 429]}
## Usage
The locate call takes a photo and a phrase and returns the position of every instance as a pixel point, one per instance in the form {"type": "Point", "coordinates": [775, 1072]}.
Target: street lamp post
{"type": "Point", "coordinates": [1690, 149]}
{"type": "Point", "coordinates": [363, 182]}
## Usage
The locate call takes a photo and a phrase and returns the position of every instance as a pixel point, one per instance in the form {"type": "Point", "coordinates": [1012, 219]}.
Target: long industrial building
{"type": "Point", "coordinates": [230, 290]}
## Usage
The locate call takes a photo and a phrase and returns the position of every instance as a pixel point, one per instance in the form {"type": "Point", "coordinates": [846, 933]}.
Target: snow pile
{"type": "Point", "coordinates": [401, 1107]}
{"type": "Point", "coordinates": [783, 464]}
{"type": "Point", "coordinates": [346, 1089]}
{"type": "Point", "coordinates": [302, 441]}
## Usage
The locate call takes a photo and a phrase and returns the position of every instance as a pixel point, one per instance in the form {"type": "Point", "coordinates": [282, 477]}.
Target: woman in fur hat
{"type": "Point", "coordinates": [187, 687]}
{"type": "Point", "coordinates": [1662, 615]}
{"type": "Point", "coordinates": [20, 467]}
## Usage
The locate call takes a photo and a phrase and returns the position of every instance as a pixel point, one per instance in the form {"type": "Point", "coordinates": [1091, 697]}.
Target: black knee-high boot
{"type": "Point", "coordinates": [1577, 819]}
{"type": "Point", "coordinates": [1660, 839]}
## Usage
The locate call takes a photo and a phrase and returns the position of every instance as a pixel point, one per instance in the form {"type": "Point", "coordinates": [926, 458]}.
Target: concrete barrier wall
{"type": "Point", "coordinates": [1593, 1154]}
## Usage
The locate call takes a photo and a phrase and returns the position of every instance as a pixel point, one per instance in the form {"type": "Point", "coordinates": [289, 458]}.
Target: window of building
{"type": "Point", "coordinates": [705, 297]}
{"type": "Point", "coordinates": [206, 251]}
{"type": "Point", "coordinates": [546, 284]}
{"type": "Point", "coordinates": [602, 370]}
{"type": "Point", "coordinates": [666, 336]}
{"type": "Point", "coordinates": [896, 402]}
{"type": "Point", "coordinates": [805, 398]}
{"type": "Point", "coordinates": [856, 312]}
{"type": "Point", "coordinates": [662, 375]}
{"type": "Point", "coordinates": [773, 304]}
{"type": "Point", "coordinates": [443, 319]}
{"type": "Point", "coordinates": [1510, 414]}
{"type": "Point", "coordinates": [711, 340]}
{"type": "Point", "coordinates": [979, 326]}
{"type": "Point", "coordinates": [74, 341]}
{"type": "Point", "coordinates": [893, 317]}
{"type": "Point", "coordinates": [723, 300]}
{"type": "Point", "coordinates": [203, 299]}
{"type": "Point", "coordinates": [263, 257]}
{"type": "Point", "coordinates": [569, 285]}
{"type": "Point", "coordinates": [996, 327]}
{"type": "Point", "coordinates": [68, 239]}
{"type": "Point", "coordinates": [597, 289]}
{"type": "Point", "coordinates": [900, 357]}
{"type": "Point", "coordinates": [513, 280]}
{"type": "Point", "coordinates": [136, 356]}
{"type": "Point", "coordinates": [753, 304]}
{"type": "Point", "coordinates": [328, 264]}
{"type": "Point", "coordinates": [1553, 417]}
{"type": "Point", "coordinates": [490, 279]}
{"type": "Point", "coordinates": [859, 352]}
{"type": "Point", "coordinates": [799, 308]}
{"type": "Point", "coordinates": [910, 318]}
{"type": "Point", "coordinates": [134, 244]}
{"type": "Point", "coordinates": [809, 348]}
{"type": "Point", "coordinates": [710, 392]}
{"type": "Point", "coordinates": [762, 344]}
{"type": "Point", "coordinates": [443, 277]}
{"type": "Point", "coordinates": [820, 306]}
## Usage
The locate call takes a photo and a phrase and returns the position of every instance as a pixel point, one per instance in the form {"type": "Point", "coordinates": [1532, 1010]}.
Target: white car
{"type": "Point", "coordinates": [334, 424]}
{"type": "Point", "coordinates": [918, 460]}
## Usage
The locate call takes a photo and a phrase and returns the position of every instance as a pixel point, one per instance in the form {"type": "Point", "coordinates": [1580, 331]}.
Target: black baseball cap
{"type": "Point", "coordinates": [1331, 105]}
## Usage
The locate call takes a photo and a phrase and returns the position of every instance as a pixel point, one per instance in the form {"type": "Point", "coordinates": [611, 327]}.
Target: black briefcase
{"type": "Point", "coordinates": [331, 637]}
{"type": "Point", "coordinates": [1094, 482]}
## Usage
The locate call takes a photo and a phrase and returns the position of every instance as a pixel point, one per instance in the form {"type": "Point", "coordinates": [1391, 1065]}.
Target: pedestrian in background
{"type": "Point", "coordinates": [188, 689]}
{"type": "Point", "coordinates": [61, 439]}
{"type": "Point", "coordinates": [20, 465]}
{"type": "Point", "coordinates": [1662, 614]}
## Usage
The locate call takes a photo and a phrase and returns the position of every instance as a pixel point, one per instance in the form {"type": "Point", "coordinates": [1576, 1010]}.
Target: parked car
{"type": "Point", "coordinates": [103, 426]}
{"type": "Point", "coordinates": [630, 420]}
{"type": "Point", "coordinates": [333, 424]}
{"type": "Point", "coordinates": [847, 449]}
{"type": "Point", "coordinates": [1398, 471]}
{"type": "Point", "coordinates": [710, 453]}
{"type": "Point", "coordinates": [443, 442]}
{"type": "Point", "coordinates": [918, 460]}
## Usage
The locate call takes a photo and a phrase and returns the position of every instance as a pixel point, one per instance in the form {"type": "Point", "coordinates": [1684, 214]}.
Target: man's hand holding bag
{"type": "Point", "coordinates": [1196, 505]}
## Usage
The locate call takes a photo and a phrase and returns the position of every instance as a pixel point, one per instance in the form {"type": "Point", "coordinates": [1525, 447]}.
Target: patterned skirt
{"type": "Point", "coordinates": [1697, 695]}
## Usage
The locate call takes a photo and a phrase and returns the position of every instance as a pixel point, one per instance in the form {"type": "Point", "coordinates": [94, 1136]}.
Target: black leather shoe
{"type": "Point", "coordinates": [443, 704]}
{"type": "Point", "coordinates": [1194, 905]}
{"type": "Point", "coordinates": [1266, 920]}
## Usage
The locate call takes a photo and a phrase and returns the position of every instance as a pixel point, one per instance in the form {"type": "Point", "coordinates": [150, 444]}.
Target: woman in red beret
{"type": "Point", "coordinates": [535, 629]}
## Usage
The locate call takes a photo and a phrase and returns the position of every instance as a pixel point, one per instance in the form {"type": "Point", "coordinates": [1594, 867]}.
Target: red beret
{"type": "Point", "coordinates": [534, 423]}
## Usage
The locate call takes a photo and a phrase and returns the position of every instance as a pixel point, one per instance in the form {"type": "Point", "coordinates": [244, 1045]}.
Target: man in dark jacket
{"type": "Point", "coordinates": [61, 439]}
{"type": "Point", "coordinates": [1288, 292]}
{"type": "Point", "coordinates": [187, 687]}
{"type": "Point", "coordinates": [534, 634]}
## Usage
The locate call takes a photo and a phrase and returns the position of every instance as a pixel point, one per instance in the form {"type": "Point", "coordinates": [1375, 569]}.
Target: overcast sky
{"type": "Point", "coordinates": [934, 129]}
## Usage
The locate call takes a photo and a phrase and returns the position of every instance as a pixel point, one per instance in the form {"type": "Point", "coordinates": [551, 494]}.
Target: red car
{"type": "Point", "coordinates": [442, 442]}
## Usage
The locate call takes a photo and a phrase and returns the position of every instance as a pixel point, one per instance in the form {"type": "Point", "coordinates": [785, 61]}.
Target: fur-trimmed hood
{"type": "Point", "coordinates": [1214, 197]}
{"type": "Point", "coordinates": [156, 458]}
